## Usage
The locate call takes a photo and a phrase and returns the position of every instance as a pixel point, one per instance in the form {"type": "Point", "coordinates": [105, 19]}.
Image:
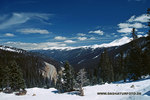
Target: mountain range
{"type": "Point", "coordinates": [89, 56]}
{"type": "Point", "coordinates": [45, 64]}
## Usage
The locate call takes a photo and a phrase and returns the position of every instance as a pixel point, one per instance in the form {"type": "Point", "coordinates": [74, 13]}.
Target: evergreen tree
{"type": "Point", "coordinates": [16, 80]}
{"type": "Point", "coordinates": [148, 14]}
{"type": "Point", "coordinates": [1, 77]}
{"type": "Point", "coordinates": [135, 61]}
{"type": "Point", "coordinates": [146, 53]}
{"type": "Point", "coordinates": [59, 84]}
{"type": "Point", "coordinates": [134, 36]}
{"type": "Point", "coordinates": [123, 67]}
{"type": "Point", "coordinates": [6, 77]}
{"type": "Point", "coordinates": [68, 78]}
{"type": "Point", "coordinates": [95, 77]}
{"type": "Point", "coordinates": [147, 50]}
{"type": "Point", "coordinates": [106, 68]}
{"type": "Point", "coordinates": [82, 80]}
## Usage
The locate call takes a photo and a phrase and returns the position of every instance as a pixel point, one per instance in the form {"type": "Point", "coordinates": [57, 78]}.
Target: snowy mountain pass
{"type": "Point", "coordinates": [142, 86]}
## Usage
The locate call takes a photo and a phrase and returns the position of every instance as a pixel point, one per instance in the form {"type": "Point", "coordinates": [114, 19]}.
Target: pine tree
{"type": "Point", "coordinates": [135, 61]}
{"type": "Point", "coordinates": [146, 53]}
{"type": "Point", "coordinates": [1, 77]}
{"type": "Point", "coordinates": [6, 77]}
{"type": "Point", "coordinates": [148, 14]}
{"type": "Point", "coordinates": [68, 77]}
{"type": "Point", "coordinates": [134, 36]}
{"type": "Point", "coordinates": [16, 80]}
{"type": "Point", "coordinates": [82, 80]}
{"type": "Point", "coordinates": [106, 68]}
{"type": "Point", "coordinates": [122, 65]}
{"type": "Point", "coordinates": [59, 84]}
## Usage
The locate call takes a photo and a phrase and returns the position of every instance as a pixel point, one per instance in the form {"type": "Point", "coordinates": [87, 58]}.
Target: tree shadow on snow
{"type": "Point", "coordinates": [70, 93]}
{"type": "Point", "coordinates": [147, 93]}
{"type": "Point", "coordinates": [74, 93]}
{"type": "Point", "coordinates": [55, 91]}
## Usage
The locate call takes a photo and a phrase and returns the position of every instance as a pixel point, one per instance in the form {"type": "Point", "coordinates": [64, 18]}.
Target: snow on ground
{"type": "Point", "coordinates": [142, 86]}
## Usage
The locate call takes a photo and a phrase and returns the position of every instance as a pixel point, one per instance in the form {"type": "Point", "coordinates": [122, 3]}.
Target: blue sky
{"type": "Point", "coordinates": [38, 24]}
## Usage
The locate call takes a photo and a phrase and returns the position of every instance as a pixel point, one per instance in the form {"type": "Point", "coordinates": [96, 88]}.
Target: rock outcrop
{"type": "Point", "coordinates": [50, 72]}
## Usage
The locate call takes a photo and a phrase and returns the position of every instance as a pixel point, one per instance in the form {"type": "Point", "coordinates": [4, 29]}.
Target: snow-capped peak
{"type": "Point", "coordinates": [117, 42]}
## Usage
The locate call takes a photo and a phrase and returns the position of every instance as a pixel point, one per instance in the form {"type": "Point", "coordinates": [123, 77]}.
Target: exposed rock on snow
{"type": "Point", "coordinates": [49, 71]}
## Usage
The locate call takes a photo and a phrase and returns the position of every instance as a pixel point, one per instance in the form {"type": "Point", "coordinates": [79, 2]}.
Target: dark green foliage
{"type": "Point", "coordinates": [106, 68]}
{"type": "Point", "coordinates": [11, 77]}
{"type": "Point", "coordinates": [1, 77]}
{"type": "Point", "coordinates": [66, 81]}
{"type": "Point", "coordinates": [148, 14]}
{"type": "Point", "coordinates": [134, 36]}
{"type": "Point", "coordinates": [16, 77]}
{"type": "Point", "coordinates": [135, 63]}
{"type": "Point", "coordinates": [122, 62]}
{"type": "Point", "coordinates": [59, 84]}
{"type": "Point", "coordinates": [68, 77]}
{"type": "Point", "coordinates": [5, 79]}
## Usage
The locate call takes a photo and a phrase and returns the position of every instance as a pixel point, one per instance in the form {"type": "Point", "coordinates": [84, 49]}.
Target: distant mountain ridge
{"type": "Point", "coordinates": [89, 56]}
{"type": "Point", "coordinates": [116, 42]}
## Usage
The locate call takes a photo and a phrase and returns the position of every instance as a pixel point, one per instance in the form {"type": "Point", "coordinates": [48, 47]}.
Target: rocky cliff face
{"type": "Point", "coordinates": [50, 72]}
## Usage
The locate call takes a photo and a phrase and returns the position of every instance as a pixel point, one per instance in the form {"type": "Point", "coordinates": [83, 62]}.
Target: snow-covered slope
{"type": "Point", "coordinates": [11, 49]}
{"type": "Point", "coordinates": [142, 86]}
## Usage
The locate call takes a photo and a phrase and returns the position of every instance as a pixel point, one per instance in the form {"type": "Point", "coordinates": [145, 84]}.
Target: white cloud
{"type": "Point", "coordinates": [69, 41]}
{"type": "Point", "coordinates": [60, 38]}
{"type": "Point", "coordinates": [99, 32]}
{"type": "Point", "coordinates": [141, 32]}
{"type": "Point", "coordinates": [33, 46]}
{"type": "Point", "coordinates": [133, 22]}
{"type": "Point", "coordinates": [131, 19]}
{"type": "Point", "coordinates": [82, 38]}
{"type": "Point", "coordinates": [20, 18]}
{"type": "Point", "coordinates": [123, 25]}
{"type": "Point", "coordinates": [126, 34]}
{"type": "Point", "coordinates": [128, 25]}
{"type": "Point", "coordinates": [125, 30]}
{"type": "Point", "coordinates": [81, 34]}
{"type": "Point", "coordinates": [138, 25]}
{"type": "Point", "coordinates": [142, 18]}
{"type": "Point", "coordinates": [92, 38]}
{"type": "Point", "coordinates": [33, 30]}
{"type": "Point", "coordinates": [9, 35]}
{"type": "Point", "coordinates": [115, 35]}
